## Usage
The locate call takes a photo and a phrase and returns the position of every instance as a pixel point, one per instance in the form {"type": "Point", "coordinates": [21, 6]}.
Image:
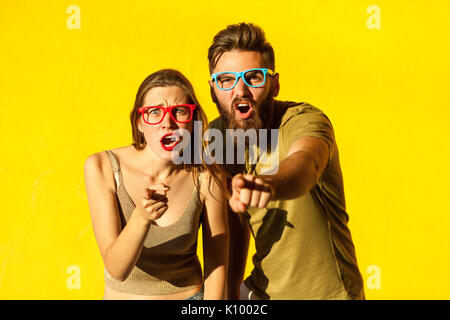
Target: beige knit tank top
{"type": "Point", "coordinates": [168, 262]}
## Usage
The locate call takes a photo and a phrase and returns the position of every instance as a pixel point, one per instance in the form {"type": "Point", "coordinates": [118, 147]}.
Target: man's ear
{"type": "Point", "coordinates": [275, 84]}
{"type": "Point", "coordinates": [211, 90]}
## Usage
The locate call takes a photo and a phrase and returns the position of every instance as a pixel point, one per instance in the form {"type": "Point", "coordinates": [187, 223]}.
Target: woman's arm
{"type": "Point", "coordinates": [215, 240]}
{"type": "Point", "coordinates": [239, 243]}
{"type": "Point", "coordinates": [120, 249]}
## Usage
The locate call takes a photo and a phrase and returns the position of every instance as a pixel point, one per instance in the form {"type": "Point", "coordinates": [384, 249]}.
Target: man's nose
{"type": "Point", "coordinates": [241, 89]}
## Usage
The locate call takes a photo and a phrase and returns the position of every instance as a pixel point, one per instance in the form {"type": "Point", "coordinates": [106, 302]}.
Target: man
{"type": "Point", "coordinates": [297, 216]}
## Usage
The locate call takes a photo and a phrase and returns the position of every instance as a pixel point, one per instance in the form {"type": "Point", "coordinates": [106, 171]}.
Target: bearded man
{"type": "Point", "coordinates": [297, 215]}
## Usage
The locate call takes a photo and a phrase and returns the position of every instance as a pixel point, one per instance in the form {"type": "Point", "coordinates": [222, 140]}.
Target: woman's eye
{"type": "Point", "coordinates": [180, 111]}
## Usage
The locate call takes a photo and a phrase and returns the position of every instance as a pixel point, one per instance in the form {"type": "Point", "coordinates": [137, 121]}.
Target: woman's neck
{"type": "Point", "coordinates": [156, 168]}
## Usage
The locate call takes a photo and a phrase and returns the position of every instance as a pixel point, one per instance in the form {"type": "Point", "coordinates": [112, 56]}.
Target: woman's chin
{"type": "Point", "coordinates": [165, 156]}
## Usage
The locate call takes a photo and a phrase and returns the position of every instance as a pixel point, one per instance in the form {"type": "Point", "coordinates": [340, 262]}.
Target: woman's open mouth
{"type": "Point", "coordinates": [169, 141]}
{"type": "Point", "coordinates": [244, 110]}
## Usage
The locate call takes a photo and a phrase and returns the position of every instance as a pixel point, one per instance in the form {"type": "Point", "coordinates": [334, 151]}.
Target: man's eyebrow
{"type": "Point", "coordinates": [156, 105]}
{"type": "Point", "coordinates": [226, 72]}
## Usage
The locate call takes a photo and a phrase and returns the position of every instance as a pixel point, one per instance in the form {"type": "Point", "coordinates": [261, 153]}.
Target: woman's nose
{"type": "Point", "coordinates": [167, 121]}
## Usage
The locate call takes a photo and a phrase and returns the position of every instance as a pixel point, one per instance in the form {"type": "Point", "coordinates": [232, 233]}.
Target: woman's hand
{"type": "Point", "coordinates": [153, 204]}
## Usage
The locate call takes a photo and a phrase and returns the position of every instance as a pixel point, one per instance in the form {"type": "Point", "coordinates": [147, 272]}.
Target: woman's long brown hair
{"type": "Point", "coordinates": [167, 78]}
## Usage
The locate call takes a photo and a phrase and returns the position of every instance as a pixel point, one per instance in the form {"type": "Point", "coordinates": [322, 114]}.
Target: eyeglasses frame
{"type": "Point", "coordinates": [240, 75]}
{"type": "Point", "coordinates": [141, 111]}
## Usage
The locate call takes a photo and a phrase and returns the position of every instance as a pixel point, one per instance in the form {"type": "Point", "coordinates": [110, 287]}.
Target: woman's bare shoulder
{"type": "Point", "coordinates": [100, 161]}
{"type": "Point", "coordinates": [97, 163]}
{"type": "Point", "coordinates": [121, 151]}
{"type": "Point", "coordinates": [125, 155]}
{"type": "Point", "coordinates": [209, 186]}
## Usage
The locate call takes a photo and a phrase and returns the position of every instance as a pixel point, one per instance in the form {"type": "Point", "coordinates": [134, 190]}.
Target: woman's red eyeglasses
{"type": "Point", "coordinates": [180, 113]}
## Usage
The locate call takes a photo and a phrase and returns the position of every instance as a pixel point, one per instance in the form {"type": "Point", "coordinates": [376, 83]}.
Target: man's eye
{"type": "Point", "coordinates": [226, 79]}
{"type": "Point", "coordinates": [254, 76]}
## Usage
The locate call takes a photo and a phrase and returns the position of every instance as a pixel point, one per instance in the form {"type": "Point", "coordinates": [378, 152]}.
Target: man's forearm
{"type": "Point", "coordinates": [296, 176]}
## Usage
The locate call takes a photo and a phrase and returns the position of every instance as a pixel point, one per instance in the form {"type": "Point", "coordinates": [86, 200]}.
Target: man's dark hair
{"type": "Point", "coordinates": [243, 37]}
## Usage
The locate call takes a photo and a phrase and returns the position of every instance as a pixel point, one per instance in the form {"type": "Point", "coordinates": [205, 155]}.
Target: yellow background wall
{"type": "Point", "coordinates": [66, 93]}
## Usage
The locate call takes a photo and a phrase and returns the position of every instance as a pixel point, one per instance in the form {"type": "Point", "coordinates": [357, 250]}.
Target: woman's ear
{"type": "Point", "coordinates": [139, 125]}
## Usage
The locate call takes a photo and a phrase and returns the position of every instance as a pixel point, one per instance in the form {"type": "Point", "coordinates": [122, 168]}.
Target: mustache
{"type": "Point", "coordinates": [242, 99]}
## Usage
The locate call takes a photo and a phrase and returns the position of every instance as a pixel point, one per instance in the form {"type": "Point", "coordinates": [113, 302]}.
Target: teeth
{"type": "Point", "coordinates": [169, 140]}
{"type": "Point", "coordinates": [169, 143]}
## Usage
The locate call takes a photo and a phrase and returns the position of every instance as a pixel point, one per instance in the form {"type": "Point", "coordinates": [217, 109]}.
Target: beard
{"type": "Point", "coordinates": [258, 120]}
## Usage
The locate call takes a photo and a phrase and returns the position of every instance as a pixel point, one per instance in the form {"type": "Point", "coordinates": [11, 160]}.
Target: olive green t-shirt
{"type": "Point", "coordinates": [304, 249]}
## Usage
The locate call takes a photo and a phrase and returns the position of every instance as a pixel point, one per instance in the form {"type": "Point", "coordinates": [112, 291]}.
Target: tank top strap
{"type": "Point", "coordinates": [199, 179]}
{"type": "Point", "coordinates": [115, 166]}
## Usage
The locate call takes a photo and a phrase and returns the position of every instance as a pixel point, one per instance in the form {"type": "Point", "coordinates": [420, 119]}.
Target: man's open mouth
{"type": "Point", "coordinates": [243, 110]}
{"type": "Point", "coordinates": [169, 141]}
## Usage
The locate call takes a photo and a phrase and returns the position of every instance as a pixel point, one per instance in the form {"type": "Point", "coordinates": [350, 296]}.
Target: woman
{"type": "Point", "coordinates": [146, 210]}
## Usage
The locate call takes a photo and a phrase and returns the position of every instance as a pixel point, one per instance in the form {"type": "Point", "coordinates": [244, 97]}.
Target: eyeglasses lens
{"type": "Point", "coordinates": [254, 78]}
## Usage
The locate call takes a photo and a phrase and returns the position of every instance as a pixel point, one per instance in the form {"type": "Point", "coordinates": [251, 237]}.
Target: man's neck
{"type": "Point", "coordinates": [273, 117]}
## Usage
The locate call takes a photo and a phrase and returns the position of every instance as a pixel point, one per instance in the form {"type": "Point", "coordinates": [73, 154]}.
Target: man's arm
{"type": "Point", "coordinates": [306, 160]}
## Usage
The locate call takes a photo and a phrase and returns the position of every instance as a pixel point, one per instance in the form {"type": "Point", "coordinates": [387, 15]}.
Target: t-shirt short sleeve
{"type": "Point", "coordinates": [300, 122]}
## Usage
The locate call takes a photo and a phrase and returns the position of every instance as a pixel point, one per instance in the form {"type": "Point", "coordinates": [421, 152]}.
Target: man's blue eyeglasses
{"type": "Point", "coordinates": [253, 78]}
